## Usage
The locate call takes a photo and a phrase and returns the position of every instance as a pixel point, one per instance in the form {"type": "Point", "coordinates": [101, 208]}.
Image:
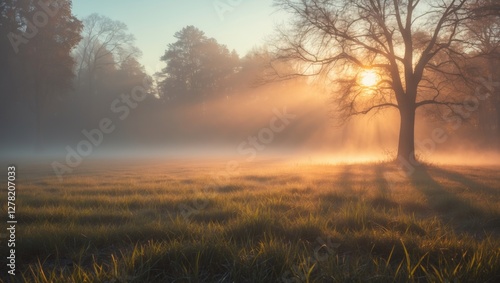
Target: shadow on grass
{"type": "Point", "coordinates": [345, 179]}
{"type": "Point", "coordinates": [382, 183]}
{"type": "Point", "coordinates": [229, 189]}
{"type": "Point", "coordinates": [383, 199]}
{"type": "Point", "coordinates": [341, 192]}
{"type": "Point", "coordinates": [257, 178]}
{"type": "Point", "coordinates": [464, 180]}
{"type": "Point", "coordinates": [462, 214]}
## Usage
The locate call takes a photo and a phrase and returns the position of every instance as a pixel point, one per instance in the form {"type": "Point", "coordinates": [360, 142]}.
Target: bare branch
{"type": "Point", "coordinates": [427, 102]}
{"type": "Point", "coordinates": [366, 111]}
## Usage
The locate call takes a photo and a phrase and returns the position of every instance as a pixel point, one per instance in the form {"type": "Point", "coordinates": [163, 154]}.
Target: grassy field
{"type": "Point", "coordinates": [268, 222]}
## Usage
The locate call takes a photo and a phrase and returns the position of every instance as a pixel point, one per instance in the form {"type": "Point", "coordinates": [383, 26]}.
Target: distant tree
{"type": "Point", "coordinates": [132, 70]}
{"type": "Point", "coordinates": [412, 47]}
{"type": "Point", "coordinates": [261, 67]}
{"type": "Point", "coordinates": [196, 65]}
{"type": "Point", "coordinates": [480, 8]}
{"type": "Point", "coordinates": [36, 51]}
{"type": "Point", "coordinates": [106, 44]}
{"type": "Point", "coordinates": [131, 74]}
{"type": "Point", "coordinates": [483, 39]}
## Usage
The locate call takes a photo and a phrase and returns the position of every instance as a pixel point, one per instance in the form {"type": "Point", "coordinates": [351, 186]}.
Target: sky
{"type": "Point", "coordinates": [239, 24]}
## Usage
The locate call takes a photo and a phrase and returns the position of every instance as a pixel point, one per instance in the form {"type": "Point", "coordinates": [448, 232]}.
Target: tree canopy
{"type": "Point", "coordinates": [36, 53]}
{"type": "Point", "coordinates": [196, 65]}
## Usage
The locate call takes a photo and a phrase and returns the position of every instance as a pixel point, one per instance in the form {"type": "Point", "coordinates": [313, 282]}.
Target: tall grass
{"type": "Point", "coordinates": [294, 223]}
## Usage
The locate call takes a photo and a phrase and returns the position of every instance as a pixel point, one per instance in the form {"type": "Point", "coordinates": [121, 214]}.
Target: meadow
{"type": "Point", "coordinates": [271, 221]}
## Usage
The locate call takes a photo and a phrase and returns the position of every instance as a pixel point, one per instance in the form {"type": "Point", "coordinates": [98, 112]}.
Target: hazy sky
{"type": "Point", "coordinates": [246, 24]}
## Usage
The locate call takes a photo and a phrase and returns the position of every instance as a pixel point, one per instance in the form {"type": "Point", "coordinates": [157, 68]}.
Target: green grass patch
{"type": "Point", "coordinates": [286, 223]}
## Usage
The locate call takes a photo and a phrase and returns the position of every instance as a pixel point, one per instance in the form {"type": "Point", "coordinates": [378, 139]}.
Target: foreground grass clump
{"type": "Point", "coordinates": [268, 223]}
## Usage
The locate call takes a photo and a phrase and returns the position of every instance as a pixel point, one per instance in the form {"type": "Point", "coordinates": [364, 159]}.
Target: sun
{"type": "Point", "coordinates": [369, 78]}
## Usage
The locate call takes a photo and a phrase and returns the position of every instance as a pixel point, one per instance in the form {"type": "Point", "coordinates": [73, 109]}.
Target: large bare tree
{"type": "Point", "coordinates": [413, 48]}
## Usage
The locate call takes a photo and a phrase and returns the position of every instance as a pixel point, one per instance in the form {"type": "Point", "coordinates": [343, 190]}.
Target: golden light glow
{"type": "Point", "coordinates": [369, 78]}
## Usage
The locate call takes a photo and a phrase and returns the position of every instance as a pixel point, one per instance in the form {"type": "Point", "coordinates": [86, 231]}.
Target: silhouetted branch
{"type": "Point", "coordinates": [366, 111]}
{"type": "Point", "coordinates": [427, 102]}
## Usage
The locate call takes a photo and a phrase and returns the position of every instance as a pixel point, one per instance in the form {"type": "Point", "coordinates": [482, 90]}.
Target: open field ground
{"type": "Point", "coordinates": [267, 222]}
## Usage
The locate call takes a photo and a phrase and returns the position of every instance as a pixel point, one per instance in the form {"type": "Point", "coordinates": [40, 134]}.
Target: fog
{"type": "Point", "coordinates": [293, 122]}
{"type": "Point", "coordinates": [92, 98]}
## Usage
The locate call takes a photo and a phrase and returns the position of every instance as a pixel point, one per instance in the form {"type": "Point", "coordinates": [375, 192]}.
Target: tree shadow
{"type": "Point", "coordinates": [382, 183]}
{"type": "Point", "coordinates": [383, 199]}
{"type": "Point", "coordinates": [388, 190]}
{"type": "Point", "coordinates": [462, 215]}
{"type": "Point", "coordinates": [466, 181]}
{"type": "Point", "coordinates": [345, 179]}
{"type": "Point", "coordinates": [341, 191]}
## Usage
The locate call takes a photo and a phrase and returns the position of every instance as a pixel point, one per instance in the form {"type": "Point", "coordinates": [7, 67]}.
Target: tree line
{"type": "Point", "coordinates": [58, 72]}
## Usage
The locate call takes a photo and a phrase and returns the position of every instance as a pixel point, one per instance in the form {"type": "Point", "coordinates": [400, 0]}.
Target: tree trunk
{"type": "Point", "coordinates": [406, 145]}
